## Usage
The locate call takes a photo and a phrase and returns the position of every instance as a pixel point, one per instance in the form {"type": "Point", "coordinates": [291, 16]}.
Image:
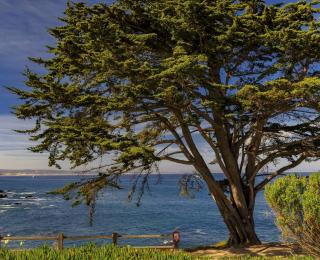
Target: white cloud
{"type": "Point", "coordinates": [13, 146]}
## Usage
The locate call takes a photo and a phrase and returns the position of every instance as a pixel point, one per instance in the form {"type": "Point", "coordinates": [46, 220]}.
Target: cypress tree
{"type": "Point", "coordinates": [140, 82]}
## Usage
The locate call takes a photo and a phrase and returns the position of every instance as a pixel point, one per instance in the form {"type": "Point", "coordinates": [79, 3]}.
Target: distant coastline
{"type": "Point", "coordinates": [28, 172]}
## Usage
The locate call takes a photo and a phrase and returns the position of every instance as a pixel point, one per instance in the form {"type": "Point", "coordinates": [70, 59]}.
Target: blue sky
{"type": "Point", "coordinates": [23, 34]}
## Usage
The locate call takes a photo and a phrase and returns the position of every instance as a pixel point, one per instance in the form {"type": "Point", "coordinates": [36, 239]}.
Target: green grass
{"type": "Point", "coordinates": [92, 252]}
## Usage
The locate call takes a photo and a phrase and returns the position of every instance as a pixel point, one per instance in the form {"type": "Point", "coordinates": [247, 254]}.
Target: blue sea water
{"type": "Point", "coordinates": [29, 210]}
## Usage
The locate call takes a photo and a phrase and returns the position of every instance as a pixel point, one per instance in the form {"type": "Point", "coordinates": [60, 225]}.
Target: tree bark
{"type": "Point", "coordinates": [239, 221]}
{"type": "Point", "coordinates": [234, 210]}
{"type": "Point", "coordinates": [241, 229]}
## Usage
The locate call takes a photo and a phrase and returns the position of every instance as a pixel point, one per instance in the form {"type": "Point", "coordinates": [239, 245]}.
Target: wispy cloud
{"type": "Point", "coordinates": [24, 25]}
{"type": "Point", "coordinates": [13, 146]}
{"type": "Point", "coordinates": [14, 153]}
{"type": "Point", "coordinates": [24, 33]}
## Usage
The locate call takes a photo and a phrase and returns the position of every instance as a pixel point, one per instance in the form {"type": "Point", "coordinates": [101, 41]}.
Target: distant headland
{"type": "Point", "coordinates": [29, 172]}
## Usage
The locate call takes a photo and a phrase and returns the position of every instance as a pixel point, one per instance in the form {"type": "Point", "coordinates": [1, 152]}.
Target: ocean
{"type": "Point", "coordinates": [29, 210]}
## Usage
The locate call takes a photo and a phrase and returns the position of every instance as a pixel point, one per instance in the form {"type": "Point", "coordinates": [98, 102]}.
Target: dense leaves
{"type": "Point", "coordinates": [296, 202]}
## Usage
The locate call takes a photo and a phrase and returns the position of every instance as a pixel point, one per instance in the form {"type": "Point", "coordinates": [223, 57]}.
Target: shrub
{"type": "Point", "coordinates": [296, 203]}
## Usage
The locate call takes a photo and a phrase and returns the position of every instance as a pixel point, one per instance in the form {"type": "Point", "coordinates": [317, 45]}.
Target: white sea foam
{"type": "Point", "coordinates": [12, 192]}
{"type": "Point", "coordinates": [267, 213]}
{"type": "Point", "coordinates": [11, 199]}
{"type": "Point", "coordinates": [200, 231]}
{"type": "Point", "coordinates": [39, 199]}
{"type": "Point", "coordinates": [48, 207]}
{"type": "Point", "coordinates": [7, 207]}
{"type": "Point", "coordinates": [31, 203]}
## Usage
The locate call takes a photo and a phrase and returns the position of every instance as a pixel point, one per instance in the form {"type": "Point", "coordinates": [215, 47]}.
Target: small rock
{"type": "Point", "coordinates": [3, 195]}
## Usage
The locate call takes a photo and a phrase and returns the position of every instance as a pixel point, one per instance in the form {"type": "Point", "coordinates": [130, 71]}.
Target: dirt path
{"type": "Point", "coordinates": [271, 249]}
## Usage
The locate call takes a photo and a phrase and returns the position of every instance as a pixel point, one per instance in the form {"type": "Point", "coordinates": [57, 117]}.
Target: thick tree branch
{"type": "Point", "coordinates": [181, 144]}
{"type": "Point", "coordinates": [214, 148]}
{"type": "Point", "coordinates": [261, 185]}
{"type": "Point", "coordinates": [175, 160]}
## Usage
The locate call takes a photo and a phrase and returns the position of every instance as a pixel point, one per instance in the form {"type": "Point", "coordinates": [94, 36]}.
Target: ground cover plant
{"type": "Point", "coordinates": [92, 252]}
{"type": "Point", "coordinates": [109, 252]}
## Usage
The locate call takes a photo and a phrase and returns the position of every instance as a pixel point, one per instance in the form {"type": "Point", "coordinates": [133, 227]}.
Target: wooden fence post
{"type": "Point", "coordinates": [60, 237]}
{"type": "Point", "coordinates": [114, 238]}
{"type": "Point", "coordinates": [176, 239]}
{"type": "Point", "coordinates": [60, 241]}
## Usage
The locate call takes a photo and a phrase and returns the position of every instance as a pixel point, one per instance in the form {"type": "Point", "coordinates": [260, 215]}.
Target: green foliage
{"type": "Point", "coordinates": [92, 252]}
{"type": "Point", "coordinates": [296, 202]}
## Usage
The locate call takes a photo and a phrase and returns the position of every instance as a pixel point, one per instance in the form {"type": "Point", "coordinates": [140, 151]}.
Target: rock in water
{"type": "Point", "coordinates": [3, 194]}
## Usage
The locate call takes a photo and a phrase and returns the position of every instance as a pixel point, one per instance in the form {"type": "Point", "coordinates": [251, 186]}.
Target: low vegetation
{"type": "Point", "coordinates": [296, 203]}
{"type": "Point", "coordinates": [91, 251]}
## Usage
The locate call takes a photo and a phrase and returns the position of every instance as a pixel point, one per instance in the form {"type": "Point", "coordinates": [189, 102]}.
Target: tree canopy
{"type": "Point", "coordinates": [139, 82]}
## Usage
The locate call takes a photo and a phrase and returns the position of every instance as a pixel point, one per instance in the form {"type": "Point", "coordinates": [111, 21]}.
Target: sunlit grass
{"type": "Point", "coordinates": [93, 252]}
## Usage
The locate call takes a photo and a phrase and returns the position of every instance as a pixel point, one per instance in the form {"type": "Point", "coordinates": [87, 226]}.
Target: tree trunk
{"type": "Point", "coordinates": [241, 230]}
{"type": "Point", "coordinates": [236, 214]}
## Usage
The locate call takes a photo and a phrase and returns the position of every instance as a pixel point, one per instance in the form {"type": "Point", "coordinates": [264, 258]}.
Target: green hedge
{"type": "Point", "coordinates": [296, 203]}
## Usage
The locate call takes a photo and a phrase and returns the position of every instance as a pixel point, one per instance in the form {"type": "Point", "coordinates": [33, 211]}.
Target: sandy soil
{"type": "Point", "coordinates": [271, 249]}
